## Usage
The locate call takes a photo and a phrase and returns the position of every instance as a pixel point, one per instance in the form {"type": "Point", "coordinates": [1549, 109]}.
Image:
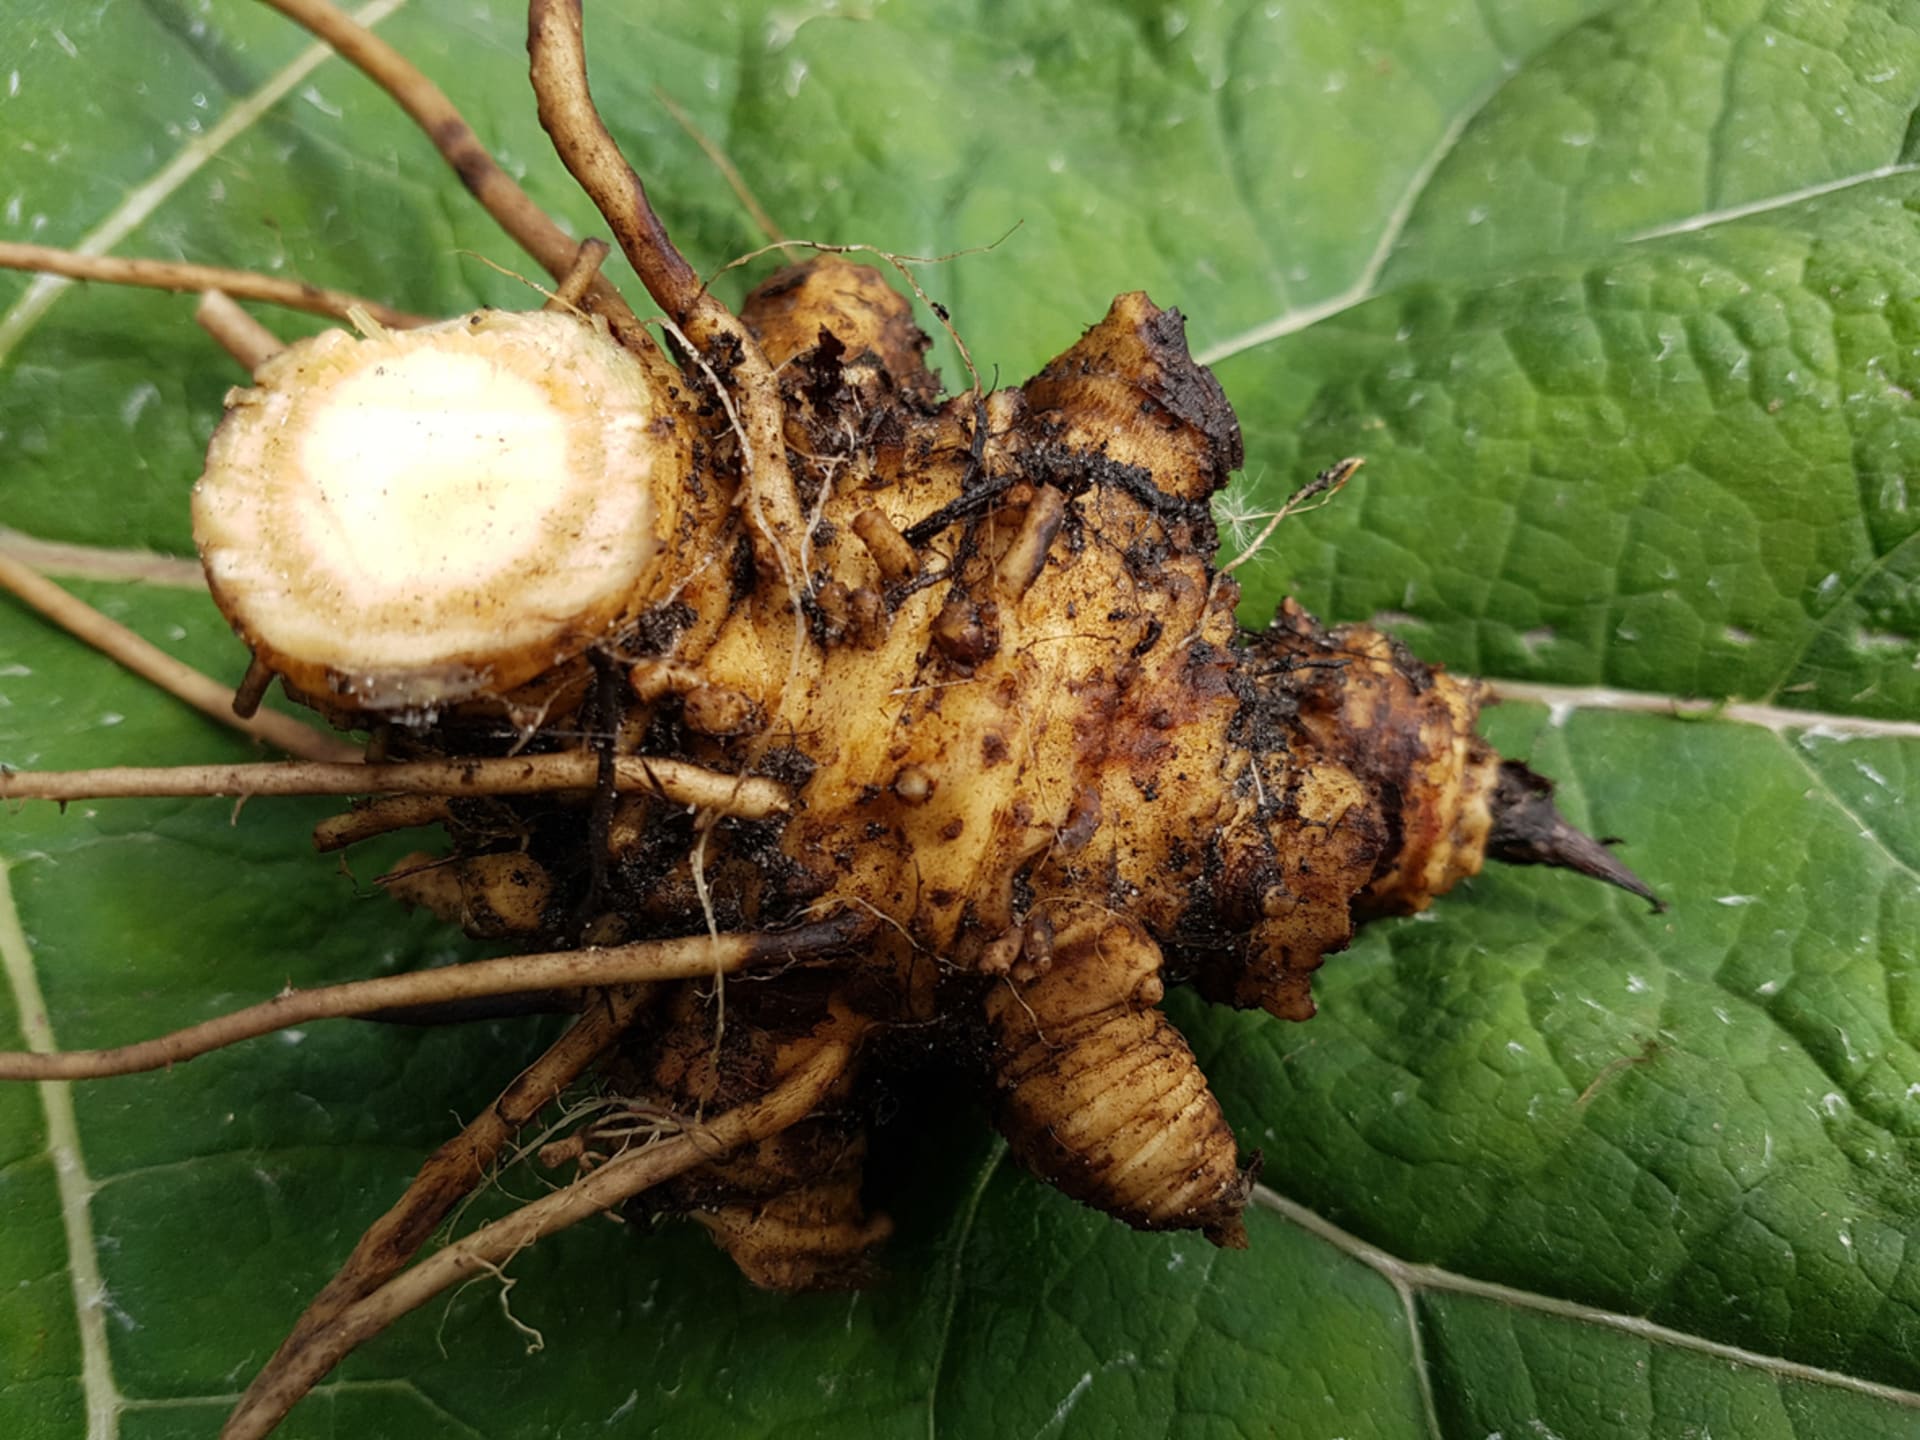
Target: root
{"type": "Point", "coordinates": [690, 958]}
{"type": "Point", "coordinates": [579, 280]}
{"type": "Point", "coordinates": [1322, 487]}
{"type": "Point", "coordinates": [298, 1369]}
{"type": "Point", "coordinates": [427, 105]}
{"type": "Point", "coordinates": [153, 664]}
{"type": "Point", "coordinates": [252, 689]}
{"type": "Point", "coordinates": [235, 331]}
{"type": "Point", "coordinates": [567, 112]}
{"type": "Point", "coordinates": [183, 278]}
{"type": "Point", "coordinates": [452, 1171]}
{"type": "Point", "coordinates": [746, 797]}
{"type": "Point", "coordinates": [379, 817]}
{"type": "Point", "coordinates": [580, 137]}
{"type": "Point", "coordinates": [536, 1342]}
{"type": "Point", "coordinates": [698, 864]}
{"type": "Point", "coordinates": [474, 1009]}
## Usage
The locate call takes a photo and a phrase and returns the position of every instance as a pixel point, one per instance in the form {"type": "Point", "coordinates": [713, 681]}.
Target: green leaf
{"type": "Point", "coordinates": [1657, 115]}
{"type": "Point", "coordinates": [1619, 301]}
{"type": "Point", "coordinates": [1678, 468]}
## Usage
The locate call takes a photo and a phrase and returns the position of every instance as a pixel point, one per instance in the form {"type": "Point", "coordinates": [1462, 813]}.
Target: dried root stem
{"type": "Point", "coordinates": [183, 278]}
{"type": "Point", "coordinates": [581, 138]}
{"type": "Point", "coordinates": [153, 664]}
{"type": "Point", "coordinates": [379, 817]}
{"type": "Point", "coordinates": [427, 105]}
{"type": "Point", "coordinates": [743, 796]}
{"type": "Point", "coordinates": [235, 331]}
{"type": "Point", "coordinates": [452, 1171]}
{"type": "Point", "coordinates": [297, 1369]}
{"type": "Point", "coordinates": [694, 957]}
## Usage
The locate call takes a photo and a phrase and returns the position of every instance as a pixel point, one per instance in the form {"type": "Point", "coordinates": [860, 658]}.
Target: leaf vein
{"type": "Point", "coordinates": [1867, 832]}
{"type": "Point", "coordinates": [1707, 219]}
{"type": "Point", "coordinates": [1439, 1280]}
{"type": "Point", "coordinates": [967, 1218]}
{"type": "Point", "coordinates": [1362, 289]}
{"type": "Point", "coordinates": [101, 1393]}
{"type": "Point", "coordinates": [335, 1387]}
{"type": "Point", "coordinates": [140, 203]}
{"type": "Point", "coordinates": [1870, 572]}
{"type": "Point", "coordinates": [1563, 700]}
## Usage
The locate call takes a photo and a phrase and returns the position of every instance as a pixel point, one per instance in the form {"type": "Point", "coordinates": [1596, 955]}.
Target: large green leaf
{"type": "Point", "coordinates": [1621, 302]}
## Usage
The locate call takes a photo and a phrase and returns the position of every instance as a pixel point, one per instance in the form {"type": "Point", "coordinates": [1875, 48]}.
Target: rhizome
{"type": "Point", "coordinates": [808, 731]}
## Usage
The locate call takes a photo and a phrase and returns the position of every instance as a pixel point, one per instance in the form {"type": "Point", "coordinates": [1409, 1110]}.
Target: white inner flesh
{"type": "Point", "coordinates": [432, 470]}
{"type": "Point", "coordinates": [415, 518]}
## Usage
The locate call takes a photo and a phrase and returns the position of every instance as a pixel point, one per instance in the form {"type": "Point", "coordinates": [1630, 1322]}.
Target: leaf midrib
{"type": "Point", "coordinates": [101, 1393]}
{"type": "Point", "coordinates": [1412, 1278]}
{"type": "Point", "coordinates": [1302, 317]}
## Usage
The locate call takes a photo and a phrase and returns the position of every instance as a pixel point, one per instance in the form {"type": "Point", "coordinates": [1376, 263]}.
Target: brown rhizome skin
{"type": "Point", "coordinates": [932, 711]}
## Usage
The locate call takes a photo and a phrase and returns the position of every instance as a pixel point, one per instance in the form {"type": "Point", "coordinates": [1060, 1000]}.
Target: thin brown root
{"type": "Point", "coordinates": [768, 547]}
{"type": "Point", "coordinates": [183, 278]}
{"type": "Point", "coordinates": [153, 664]}
{"type": "Point", "coordinates": [558, 50]}
{"type": "Point", "coordinates": [557, 1153]}
{"type": "Point", "coordinates": [593, 254]}
{"type": "Point", "coordinates": [697, 863]}
{"type": "Point", "coordinates": [897, 559]}
{"type": "Point", "coordinates": [476, 1009]}
{"type": "Point", "coordinates": [729, 172]}
{"type": "Point", "coordinates": [1322, 487]}
{"type": "Point", "coordinates": [577, 281]}
{"type": "Point", "coordinates": [235, 331]}
{"type": "Point", "coordinates": [694, 957]}
{"type": "Point", "coordinates": [278, 1388]}
{"type": "Point", "coordinates": [379, 817]}
{"type": "Point", "coordinates": [452, 1171]}
{"type": "Point", "coordinates": [427, 105]}
{"type": "Point", "coordinates": [568, 114]}
{"type": "Point", "coordinates": [252, 688]}
{"type": "Point", "coordinates": [747, 797]}
{"type": "Point", "coordinates": [892, 257]}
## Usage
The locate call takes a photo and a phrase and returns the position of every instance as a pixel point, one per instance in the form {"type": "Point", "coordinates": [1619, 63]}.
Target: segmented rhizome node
{"type": "Point", "coordinates": [756, 654]}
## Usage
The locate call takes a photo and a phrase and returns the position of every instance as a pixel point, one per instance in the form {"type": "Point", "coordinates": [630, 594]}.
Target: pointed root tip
{"type": "Point", "coordinates": [1528, 830]}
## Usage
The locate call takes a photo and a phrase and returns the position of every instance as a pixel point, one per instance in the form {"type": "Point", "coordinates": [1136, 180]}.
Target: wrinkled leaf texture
{"type": "Point", "coordinates": [1621, 303]}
